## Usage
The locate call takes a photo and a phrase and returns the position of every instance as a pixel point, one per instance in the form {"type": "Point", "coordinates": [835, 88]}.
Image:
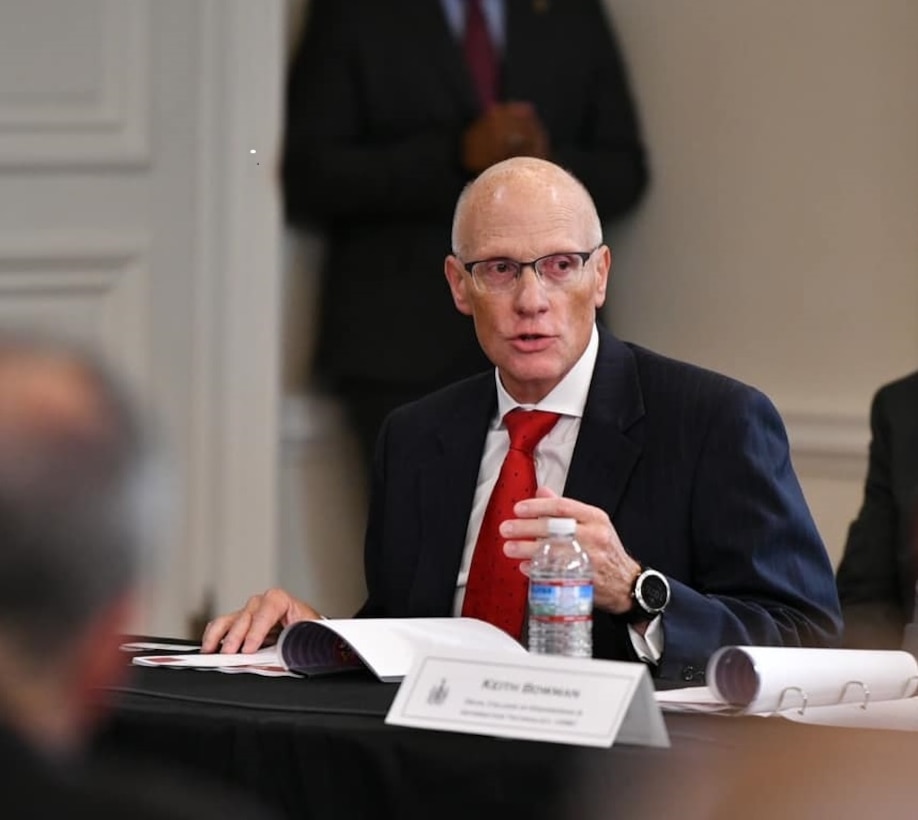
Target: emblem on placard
{"type": "Point", "coordinates": [438, 693]}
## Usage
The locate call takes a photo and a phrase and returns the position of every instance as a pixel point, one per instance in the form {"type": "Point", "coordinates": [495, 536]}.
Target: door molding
{"type": "Point", "coordinates": [232, 518]}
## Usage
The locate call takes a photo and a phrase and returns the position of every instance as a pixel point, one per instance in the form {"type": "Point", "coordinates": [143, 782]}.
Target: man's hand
{"type": "Point", "coordinates": [614, 571]}
{"type": "Point", "coordinates": [261, 619]}
{"type": "Point", "coordinates": [505, 130]}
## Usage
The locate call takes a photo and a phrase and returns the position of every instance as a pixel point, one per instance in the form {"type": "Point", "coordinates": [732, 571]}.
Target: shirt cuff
{"type": "Point", "coordinates": [649, 646]}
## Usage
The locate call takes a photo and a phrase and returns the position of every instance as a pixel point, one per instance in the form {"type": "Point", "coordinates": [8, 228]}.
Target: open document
{"type": "Point", "coordinates": [851, 687]}
{"type": "Point", "coordinates": [386, 646]}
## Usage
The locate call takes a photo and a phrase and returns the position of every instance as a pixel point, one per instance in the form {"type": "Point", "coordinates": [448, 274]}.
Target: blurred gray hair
{"type": "Point", "coordinates": [75, 495]}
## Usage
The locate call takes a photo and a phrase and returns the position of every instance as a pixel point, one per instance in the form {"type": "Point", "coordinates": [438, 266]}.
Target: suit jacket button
{"type": "Point", "coordinates": [688, 672]}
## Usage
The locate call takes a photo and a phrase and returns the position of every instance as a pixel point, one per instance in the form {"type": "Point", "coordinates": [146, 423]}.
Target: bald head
{"type": "Point", "coordinates": [72, 468]}
{"type": "Point", "coordinates": [61, 418]}
{"type": "Point", "coordinates": [523, 179]}
{"type": "Point", "coordinates": [45, 395]}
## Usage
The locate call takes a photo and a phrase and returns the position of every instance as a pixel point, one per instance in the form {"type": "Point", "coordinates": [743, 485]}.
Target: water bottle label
{"type": "Point", "coordinates": [561, 600]}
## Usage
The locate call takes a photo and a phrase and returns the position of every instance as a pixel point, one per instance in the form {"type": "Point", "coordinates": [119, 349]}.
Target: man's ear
{"type": "Point", "coordinates": [603, 268]}
{"type": "Point", "coordinates": [458, 284]}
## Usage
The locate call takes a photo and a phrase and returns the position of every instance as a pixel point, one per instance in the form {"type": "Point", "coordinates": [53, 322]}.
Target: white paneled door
{"type": "Point", "coordinates": [139, 211]}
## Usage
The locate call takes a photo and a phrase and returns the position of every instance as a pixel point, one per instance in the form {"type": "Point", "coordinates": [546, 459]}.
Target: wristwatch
{"type": "Point", "coordinates": [649, 596]}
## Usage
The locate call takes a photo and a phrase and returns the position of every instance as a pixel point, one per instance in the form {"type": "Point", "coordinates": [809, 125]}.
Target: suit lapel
{"type": "Point", "coordinates": [609, 442]}
{"type": "Point", "coordinates": [437, 50]}
{"type": "Point", "coordinates": [447, 488]}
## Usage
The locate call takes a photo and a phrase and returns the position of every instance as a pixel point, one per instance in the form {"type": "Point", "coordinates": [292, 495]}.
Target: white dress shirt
{"type": "Point", "coordinates": [494, 15]}
{"type": "Point", "coordinates": [552, 458]}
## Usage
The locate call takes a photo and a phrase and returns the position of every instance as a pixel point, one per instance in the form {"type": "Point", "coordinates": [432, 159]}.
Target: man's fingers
{"type": "Point", "coordinates": [214, 632]}
{"type": "Point", "coordinates": [261, 624]}
{"type": "Point", "coordinates": [236, 634]}
{"type": "Point", "coordinates": [546, 504]}
{"type": "Point", "coordinates": [261, 614]}
{"type": "Point", "coordinates": [261, 618]}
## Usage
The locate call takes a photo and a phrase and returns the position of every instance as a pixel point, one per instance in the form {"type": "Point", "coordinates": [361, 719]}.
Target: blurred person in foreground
{"type": "Point", "coordinates": [676, 475]}
{"type": "Point", "coordinates": [877, 574]}
{"type": "Point", "coordinates": [81, 492]}
{"type": "Point", "coordinates": [392, 107]}
{"type": "Point", "coordinates": [751, 768]}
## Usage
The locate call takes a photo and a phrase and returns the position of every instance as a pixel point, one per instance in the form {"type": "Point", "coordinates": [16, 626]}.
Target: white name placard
{"type": "Point", "coordinates": [582, 702]}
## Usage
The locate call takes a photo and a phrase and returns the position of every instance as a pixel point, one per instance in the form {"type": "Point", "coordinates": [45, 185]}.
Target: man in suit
{"type": "Point", "coordinates": [79, 490]}
{"type": "Point", "coordinates": [386, 122]}
{"type": "Point", "coordinates": [666, 467]}
{"type": "Point", "coordinates": [877, 574]}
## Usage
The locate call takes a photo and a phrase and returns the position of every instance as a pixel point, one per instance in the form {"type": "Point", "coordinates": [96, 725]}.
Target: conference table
{"type": "Point", "coordinates": [320, 748]}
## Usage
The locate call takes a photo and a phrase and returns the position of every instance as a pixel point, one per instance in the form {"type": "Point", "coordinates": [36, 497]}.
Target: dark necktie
{"type": "Point", "coordinates": [480, 53]}
{"type": "Point", "coordinates": [496, 589]}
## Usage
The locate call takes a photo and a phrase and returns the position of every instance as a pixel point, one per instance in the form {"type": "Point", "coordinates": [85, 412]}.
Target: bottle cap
{"type": "Point", "coordinates": [562, 526]}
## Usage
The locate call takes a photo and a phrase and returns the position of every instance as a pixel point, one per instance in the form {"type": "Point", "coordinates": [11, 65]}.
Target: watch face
{"type": "Point", "coordinates": [654, 592]}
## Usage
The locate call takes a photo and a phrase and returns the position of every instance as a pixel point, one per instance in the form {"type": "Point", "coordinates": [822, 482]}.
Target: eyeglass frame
{"type": "Point", "coordinates": [468, 266]}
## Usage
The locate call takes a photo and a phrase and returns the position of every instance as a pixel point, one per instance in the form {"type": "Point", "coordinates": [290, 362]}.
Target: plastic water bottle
{"type": "Point", "coordinates": [561, 594]}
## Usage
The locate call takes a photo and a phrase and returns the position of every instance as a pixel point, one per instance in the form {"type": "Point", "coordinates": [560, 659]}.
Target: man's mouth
{"type": "Point", "coordinates": [531, 342]}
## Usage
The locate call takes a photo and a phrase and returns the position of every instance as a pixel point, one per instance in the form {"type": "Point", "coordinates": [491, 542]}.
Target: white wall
{"type": "Point", "coordinates": [139, 213]}
{"type": "Point", "coordinates": [779, 241]}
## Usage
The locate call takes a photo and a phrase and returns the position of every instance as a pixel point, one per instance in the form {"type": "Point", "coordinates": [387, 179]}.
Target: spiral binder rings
{"type": "Point", "coordinates": [786, 702]}
{"type": "Point", "coordinates": [814, 685]}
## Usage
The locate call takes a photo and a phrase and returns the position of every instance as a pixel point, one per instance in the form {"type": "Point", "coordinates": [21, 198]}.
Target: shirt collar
{"type": "Point", "coordinates": [494, 13]}
{"type": "Point", "coordinates": [568, 396]}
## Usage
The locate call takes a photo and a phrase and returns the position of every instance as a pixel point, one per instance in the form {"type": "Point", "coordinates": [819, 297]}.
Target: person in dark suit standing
{"type": "Point", "coordinates": [877, 574]}
{"type": "Point", "coordinates": [679, 478]}
{"type": "Point", "coordinates": [391, 109]}
{"type": "Point", "coordinates": [80, 488]}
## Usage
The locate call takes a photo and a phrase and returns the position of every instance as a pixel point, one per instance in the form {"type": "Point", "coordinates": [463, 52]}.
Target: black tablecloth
{"type": "Point", "coordinates": [319, 748]}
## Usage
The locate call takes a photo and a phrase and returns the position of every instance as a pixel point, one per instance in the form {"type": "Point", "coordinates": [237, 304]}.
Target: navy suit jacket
{"type": "Point", "coordinates": [694, 471]}
{"type": "Point", "coordinates": [876, 577]}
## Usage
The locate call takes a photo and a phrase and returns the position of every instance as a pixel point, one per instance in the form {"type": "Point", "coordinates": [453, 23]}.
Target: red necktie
{"type": "Point", "coordinates": [496, 589]}
{"type": "Point", "coordinates": [480, 54]}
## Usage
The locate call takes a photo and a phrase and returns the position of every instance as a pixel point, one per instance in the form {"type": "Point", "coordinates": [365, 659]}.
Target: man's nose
{"type": "Point", "coordinates": [530, 290]}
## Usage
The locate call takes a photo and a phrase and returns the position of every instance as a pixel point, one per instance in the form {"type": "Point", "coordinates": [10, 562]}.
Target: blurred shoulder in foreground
{"type": "Point", "coordinates": [81, 503]}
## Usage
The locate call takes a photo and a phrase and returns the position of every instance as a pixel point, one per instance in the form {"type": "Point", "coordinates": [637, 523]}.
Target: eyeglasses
{"type": "Point", "coordinates": [556, 270]}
